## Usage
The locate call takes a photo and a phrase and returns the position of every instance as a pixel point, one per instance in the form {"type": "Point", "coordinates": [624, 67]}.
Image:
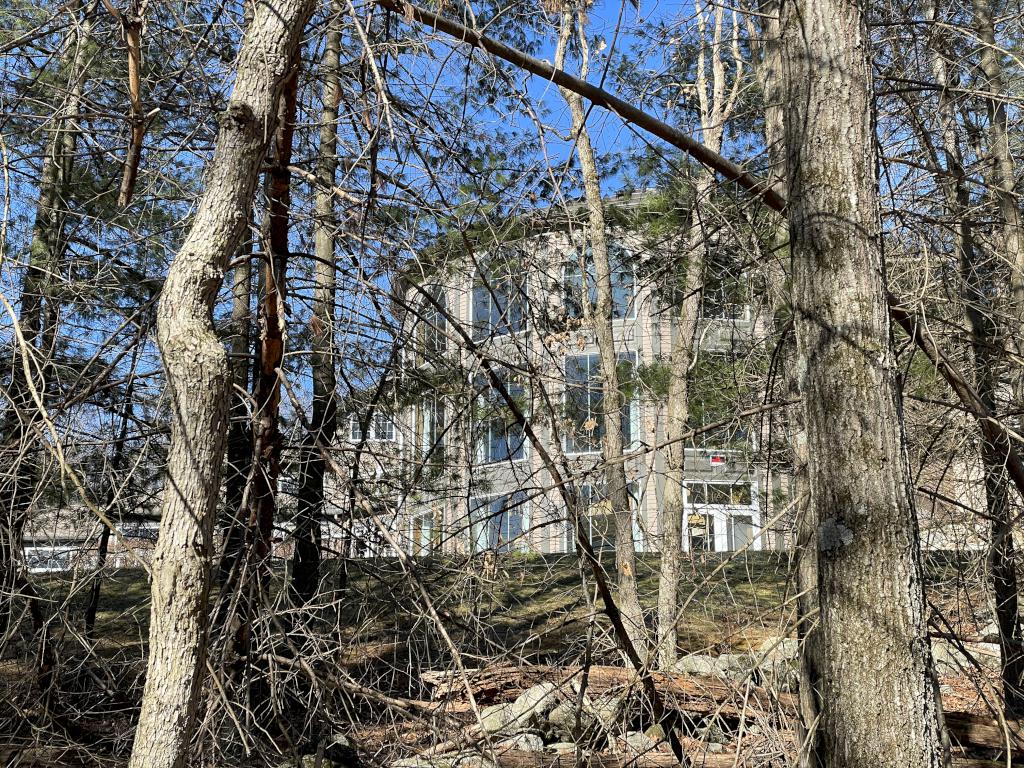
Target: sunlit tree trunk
{"type": "Point", "coordinates": [616, 487]}
{"type": "Point", "coordinates": [716, 100]}
{"type": "Point", "coordinates": [198, 381]}
{"type": "Point", "coordinates": [873, 690]}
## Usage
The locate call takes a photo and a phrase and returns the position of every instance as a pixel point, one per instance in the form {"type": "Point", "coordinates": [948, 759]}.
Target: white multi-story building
{"type": "Point", "coordinates": [474, 479]}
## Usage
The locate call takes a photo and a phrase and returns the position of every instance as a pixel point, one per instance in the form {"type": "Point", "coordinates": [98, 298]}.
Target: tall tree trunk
{"type": "Point", "coordinates": [676, 425]}
{"type": "Point", "coordinates": [267, 387]}
{"type": "Point", "coordinates": [868, 654]}
{"type": "Point", "coordinates": [198, 379]}
{"type": "Point", "coordinates": [1002, 557]}
{"type": "Point", "coordinates": [616, 487]}
{"type": "Point", "coordinates": [716, 100]}
{"type": "Point", "coordinates": [306, 562]}
{"type": "Point", "coordinates": [36, 320]}
{"type": "Point", "coordinates": [771, 75]}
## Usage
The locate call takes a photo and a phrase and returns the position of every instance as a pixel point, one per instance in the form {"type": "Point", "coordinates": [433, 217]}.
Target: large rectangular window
{"type": "Point", "coordinates": [381, 428]}
{"type": "Point", "coordinates": [499, 301]}
{"type": "Point", "coordinates": [432, 427]}
{"type": "Point", "coordinates": [584, 402]}
{"type": "Point", "coordinates": [623, 284]}
{"type": "Point", "coordinates": [497, 435]}
{"type": "Point", "coordinates": [720, 494]}
{"type": "Point", "coordinates": [702, 531]}
{"type": "Point", "coordinates": [433, 321]}
{"type": "Point", "coordinates": [497, 523]}
{"type": "Point", "coordinates": [421, 533]}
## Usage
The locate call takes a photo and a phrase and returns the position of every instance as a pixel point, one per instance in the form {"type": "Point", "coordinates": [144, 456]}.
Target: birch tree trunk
{"type": "Point", "coordinates": [616, 489]}
{"type": "Point", "coordinates": [198, 380]}
{"type": "Point", "coordinates": [867, 653]}
{"type": "Point", "coordinates": [306, 563]}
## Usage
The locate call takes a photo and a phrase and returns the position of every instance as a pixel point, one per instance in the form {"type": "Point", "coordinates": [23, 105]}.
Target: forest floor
{"type": "Point", "coordinates": [523, 621]}
{"type": "Point", "coordinates": [538, 605]}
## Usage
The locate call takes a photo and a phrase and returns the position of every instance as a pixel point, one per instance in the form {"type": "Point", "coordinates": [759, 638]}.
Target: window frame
{"type": "Point", "coordinates": [486, 283]}
{"type": "Point", "coordinates": [433, 322]}
{"type": "Point", "coordinates": [630, 408]}
{"type": "Point", "coordinates": [482, 448]}
{"type": "Point", "coordinates": [355, 428]}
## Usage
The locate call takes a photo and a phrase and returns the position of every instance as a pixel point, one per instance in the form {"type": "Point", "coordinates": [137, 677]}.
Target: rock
{"type": "Point", "coordinates": [639, 742]}
{"type": "Point", "coordinates": [562, 722]}
{"type": "Point", "coordinates": [655, 733]}
{"type": "Point", "coordinates": [780, 648]}
{"type": "Point", "coordinates": [497, 718]}
{"type": "Point", "coordinates": [736, 666]}
{"type": "Point", "coordinates": [474, 760]}
{"type": "Point", "coordinates": [527, 742]}
{"type": "Point", "coordinates": [711, 732]}
{"type": "Point", "coordinates": [698, 664]}
{"type": "Point", "coordinates": [728, 666]}
{"type": "Point", "coordinates": [534, 704]}
{"type": "Point", "coordinates": [989, 633]}
{"type": "Point", "coordinates": [605, 709]}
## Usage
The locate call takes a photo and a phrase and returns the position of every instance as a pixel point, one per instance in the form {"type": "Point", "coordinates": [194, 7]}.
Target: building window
{"type": "Point", "coordinates": [366, 538]}
{"type": "Point", "coordinates": [720, 494]}
{"type": "Point", "coordinates": [51, 559]}
{"type": "Point", "coordinates": [623, 284]}
{"type": "Point", "coordinates": [381, 428]}
{"type": "Point", "coordinates": [497, 435]}
{"type": "Point", "coordinates": [421, 533]}
{"type": "Point", "coordinates": [432, 427]}
{"type": "Point", "coordinates": [499, 301]}
{"type": "Point", "coordinates": [584, 402]}
{"type": "Point", "coordinates": [433, 321]}
{"type": "Point", "coordinates": [497, 523]}
{"type": "Point", "coordinates": [702, 531]}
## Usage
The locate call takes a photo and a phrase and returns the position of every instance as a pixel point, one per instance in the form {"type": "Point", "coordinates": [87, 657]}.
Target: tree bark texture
{"type": "Point", "coordinates": [198, 380]}
{"type": "Point", "coordinates": [867, 652]}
